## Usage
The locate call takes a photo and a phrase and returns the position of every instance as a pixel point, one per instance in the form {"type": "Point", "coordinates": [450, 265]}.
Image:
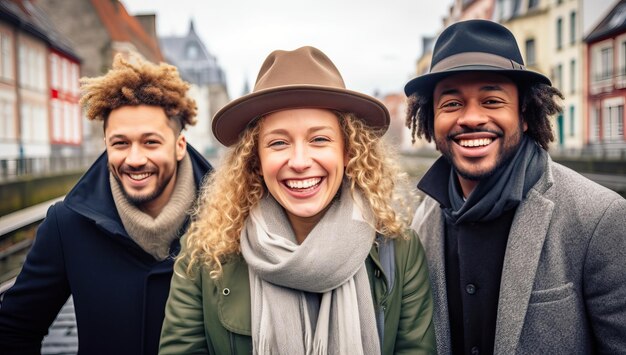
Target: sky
{"type": "Point", "coordinates": [374, 43]}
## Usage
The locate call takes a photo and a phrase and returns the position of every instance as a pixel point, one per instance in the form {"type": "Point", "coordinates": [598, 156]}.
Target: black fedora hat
{"type": "Point", "coordinates": [474, 45]}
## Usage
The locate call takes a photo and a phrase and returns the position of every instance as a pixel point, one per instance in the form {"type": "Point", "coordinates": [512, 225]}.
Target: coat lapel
{"type": "Point", "coordinates": [429, 225]}
{"type": "Point", "coordinates": [526, 239]}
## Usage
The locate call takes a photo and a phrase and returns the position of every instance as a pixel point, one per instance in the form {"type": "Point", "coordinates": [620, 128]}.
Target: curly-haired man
{"type": "Point", "coordinates": [525, 255]}
{"type": "Point", "coordinates": [110, 243]}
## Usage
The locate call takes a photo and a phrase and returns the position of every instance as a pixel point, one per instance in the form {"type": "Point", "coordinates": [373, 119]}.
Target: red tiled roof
{"type": "Point", "coordinates": [123, 27]}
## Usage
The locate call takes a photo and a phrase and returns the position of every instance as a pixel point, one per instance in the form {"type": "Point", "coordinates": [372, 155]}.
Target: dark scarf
{"type": "Point", "coordinates": [500, 192]}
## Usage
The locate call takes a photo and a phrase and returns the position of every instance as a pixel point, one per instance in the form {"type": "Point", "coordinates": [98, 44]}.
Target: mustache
{"type": "Point", "coordinates": [452, 135]}
{"type": "Point", "coordinates": [126, 169]}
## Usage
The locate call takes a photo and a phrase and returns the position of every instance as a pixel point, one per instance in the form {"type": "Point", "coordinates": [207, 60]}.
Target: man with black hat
{"type": "Point", "coordinates": [525, 255]}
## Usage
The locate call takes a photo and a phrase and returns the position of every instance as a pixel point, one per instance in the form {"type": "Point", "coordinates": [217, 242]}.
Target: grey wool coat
{"type": "Point", "coordinates": [563, 288]}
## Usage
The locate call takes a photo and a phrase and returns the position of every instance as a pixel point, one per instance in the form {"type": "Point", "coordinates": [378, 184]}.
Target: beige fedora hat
{"type": "Point", "coordinates": [302, 78]}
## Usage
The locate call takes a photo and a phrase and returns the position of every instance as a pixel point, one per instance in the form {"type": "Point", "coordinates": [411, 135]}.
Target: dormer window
{"type": "Point", "coordinates": [192, 52]}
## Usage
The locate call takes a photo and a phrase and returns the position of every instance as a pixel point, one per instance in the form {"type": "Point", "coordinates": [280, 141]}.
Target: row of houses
{"type": "Point", "coordinates": [581, 46]}
{"type": "Point", "coordinates": [46, 46]}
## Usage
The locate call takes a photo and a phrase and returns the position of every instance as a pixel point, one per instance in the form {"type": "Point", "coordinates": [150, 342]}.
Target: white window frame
{"type": "Point", "coordinates": [54, 71]}
{"type": "Point", "coordinates": [613, 119]}
{"type": "Point", "coordinates": [6, 56]}
{"type": "Point", "coordinates": [597, 65]}
{"type": "Point", "coordinates": [620, 66]}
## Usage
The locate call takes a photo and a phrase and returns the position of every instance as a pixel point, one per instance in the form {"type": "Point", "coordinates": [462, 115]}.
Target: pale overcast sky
{"type": "Point", "coordinates": [374, 43]}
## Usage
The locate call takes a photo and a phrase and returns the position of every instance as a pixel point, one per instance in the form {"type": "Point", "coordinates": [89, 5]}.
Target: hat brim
{"type": "Point", "coordinates": [425, 84]}
{"type": "Point", "coordinates": [233, 118]}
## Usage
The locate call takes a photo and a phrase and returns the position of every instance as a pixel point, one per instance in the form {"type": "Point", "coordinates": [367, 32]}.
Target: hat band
{"type": "Point", "coordinates": [475, 58]}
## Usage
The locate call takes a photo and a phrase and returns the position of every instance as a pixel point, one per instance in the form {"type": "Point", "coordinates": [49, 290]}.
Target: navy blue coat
{"type": "Point", "coordinates": [82, 249]}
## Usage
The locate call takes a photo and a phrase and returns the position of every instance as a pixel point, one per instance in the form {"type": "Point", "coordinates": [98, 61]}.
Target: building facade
{"type": "Point", "coordinates": [30, 48]}
{"type": "Point", "coordinates": [462, 10]}
{"type": "Point", "coordinates": [566, 62]}
{"type": "Point", "coordinates": [208, 83]}
{"type": "Point", "coordinates": [100, 29]}
{"type": "Point", "coordinates": [606, 75]}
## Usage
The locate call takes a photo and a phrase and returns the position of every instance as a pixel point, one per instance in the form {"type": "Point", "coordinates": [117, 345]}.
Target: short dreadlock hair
{"type": "Point", "coordinates": [537, 103]}
{"type": "Point", "coordinates": [139, 83]}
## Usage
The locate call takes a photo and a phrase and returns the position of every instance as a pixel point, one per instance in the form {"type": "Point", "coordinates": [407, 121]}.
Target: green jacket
{"type": "Point", "coordinates": [207, 316]}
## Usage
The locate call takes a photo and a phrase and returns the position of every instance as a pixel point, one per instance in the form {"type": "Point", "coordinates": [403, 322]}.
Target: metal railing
{"type": "Point", "coordinates": [62, 335]}
{"type": "Point", "coordinates": [11, 169]}
{"type": "Point", "coordinates": [609, 151]}
{"type": "Point", "coordinates": [12, 223]}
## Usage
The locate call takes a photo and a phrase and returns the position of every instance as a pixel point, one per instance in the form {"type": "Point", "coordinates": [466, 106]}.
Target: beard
{"type": "Point", "coordinates": [140, 199]}
{"type": "Point", "coordinates": [505, 153]}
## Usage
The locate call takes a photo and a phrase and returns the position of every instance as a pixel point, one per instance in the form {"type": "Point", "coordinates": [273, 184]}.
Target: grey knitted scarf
{"type": "Point", "coordinates": [286, 278]}
{"type": "Point", "coordinates": [155, 235]}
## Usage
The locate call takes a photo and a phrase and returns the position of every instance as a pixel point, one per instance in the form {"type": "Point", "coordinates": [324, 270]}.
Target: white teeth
{"type": "Point", "coordinates": [475, 142]}
{"type": "Point", "coordinates": [303, 184]}
{"type": "Point", "coordinates": [139, 176]}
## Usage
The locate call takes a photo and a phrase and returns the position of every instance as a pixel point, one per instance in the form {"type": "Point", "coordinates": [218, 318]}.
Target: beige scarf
{"type": "Point", "coordinates": [155, 235]}
{"type": "Point", "coordinates": [287, 317]}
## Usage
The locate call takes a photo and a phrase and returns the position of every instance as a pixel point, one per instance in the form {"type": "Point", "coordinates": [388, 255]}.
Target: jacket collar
{"type": "Point", "coordinates": [435, 182]}
{"type": "Point", "coordinates": [91, 197]}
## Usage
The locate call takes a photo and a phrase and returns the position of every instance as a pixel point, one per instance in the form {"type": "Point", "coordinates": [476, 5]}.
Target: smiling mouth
{"type": "Point", "coordinates": [303, 184]}
{"type": "Point", "coordinates": [139, 177]}
{"type": "Point", "coordinates": [471, 143]}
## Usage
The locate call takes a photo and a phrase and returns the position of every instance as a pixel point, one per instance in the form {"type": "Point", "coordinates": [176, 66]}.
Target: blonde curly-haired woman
{"type": "Point", "coordinates": [286, 251]}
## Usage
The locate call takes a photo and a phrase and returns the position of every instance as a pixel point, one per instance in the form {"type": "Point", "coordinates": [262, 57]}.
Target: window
{"type": "Point", "coordinates": [572, 27]}
{"type": "Point", "coordinates": [532, 4]}
{"type": "Point", "coordinates": [558, 76]}
{"type": "Point", "coordinates": [26, 127]}
{"type": "Point", "coordinates": [530, 52]}
{"type": "Point", "coordinates": [23, 66]}
{"type": "Point", "coordinates": [6, 58]}
{"type": "Point", "coordinates": [7, 123]}
{"type": "Point", "coordinates": [54, 71]}
{"type": "Point", "coordinates": [192, 51]}
{"type": "Point", "coordinates": [76, 138]}
{"type": "Point", "coordinates": [572, 121]}
{"type": "Point", "coordinates": [559, 33]}
{"type": "Point", "coordinates": [604, 63]}
{"type": "Point", "coordinates": [75, 80]}
{"type": "Point", "coordinates": [594, 125]}
{"type": "Point", "coordinates": [500, 6]}
{"type": "Point", "coordinates": [613, 120]}
{"type": "Point", "coordinates": [65, 80]}
{"type": "Point", "coordinates": [622, 64]}
{"type": "Point", "coordinates": [40, 61]}
{"type": "Point", "coordinates": [68, 114]}
{"type": "Point", "coordinates": [41, 124]}
{"type": "Point", "coordinates": [32, 68]}
{"type": "Point", "coordinates": [57, 123]}
{"type": "Point", "coordinates": [572, 76]}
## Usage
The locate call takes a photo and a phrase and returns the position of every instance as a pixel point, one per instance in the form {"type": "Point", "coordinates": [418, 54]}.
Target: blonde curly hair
{"type": "Point", "coordinates": [234, 188]}
{"type": "Point", "coordinates": [139, 83]}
